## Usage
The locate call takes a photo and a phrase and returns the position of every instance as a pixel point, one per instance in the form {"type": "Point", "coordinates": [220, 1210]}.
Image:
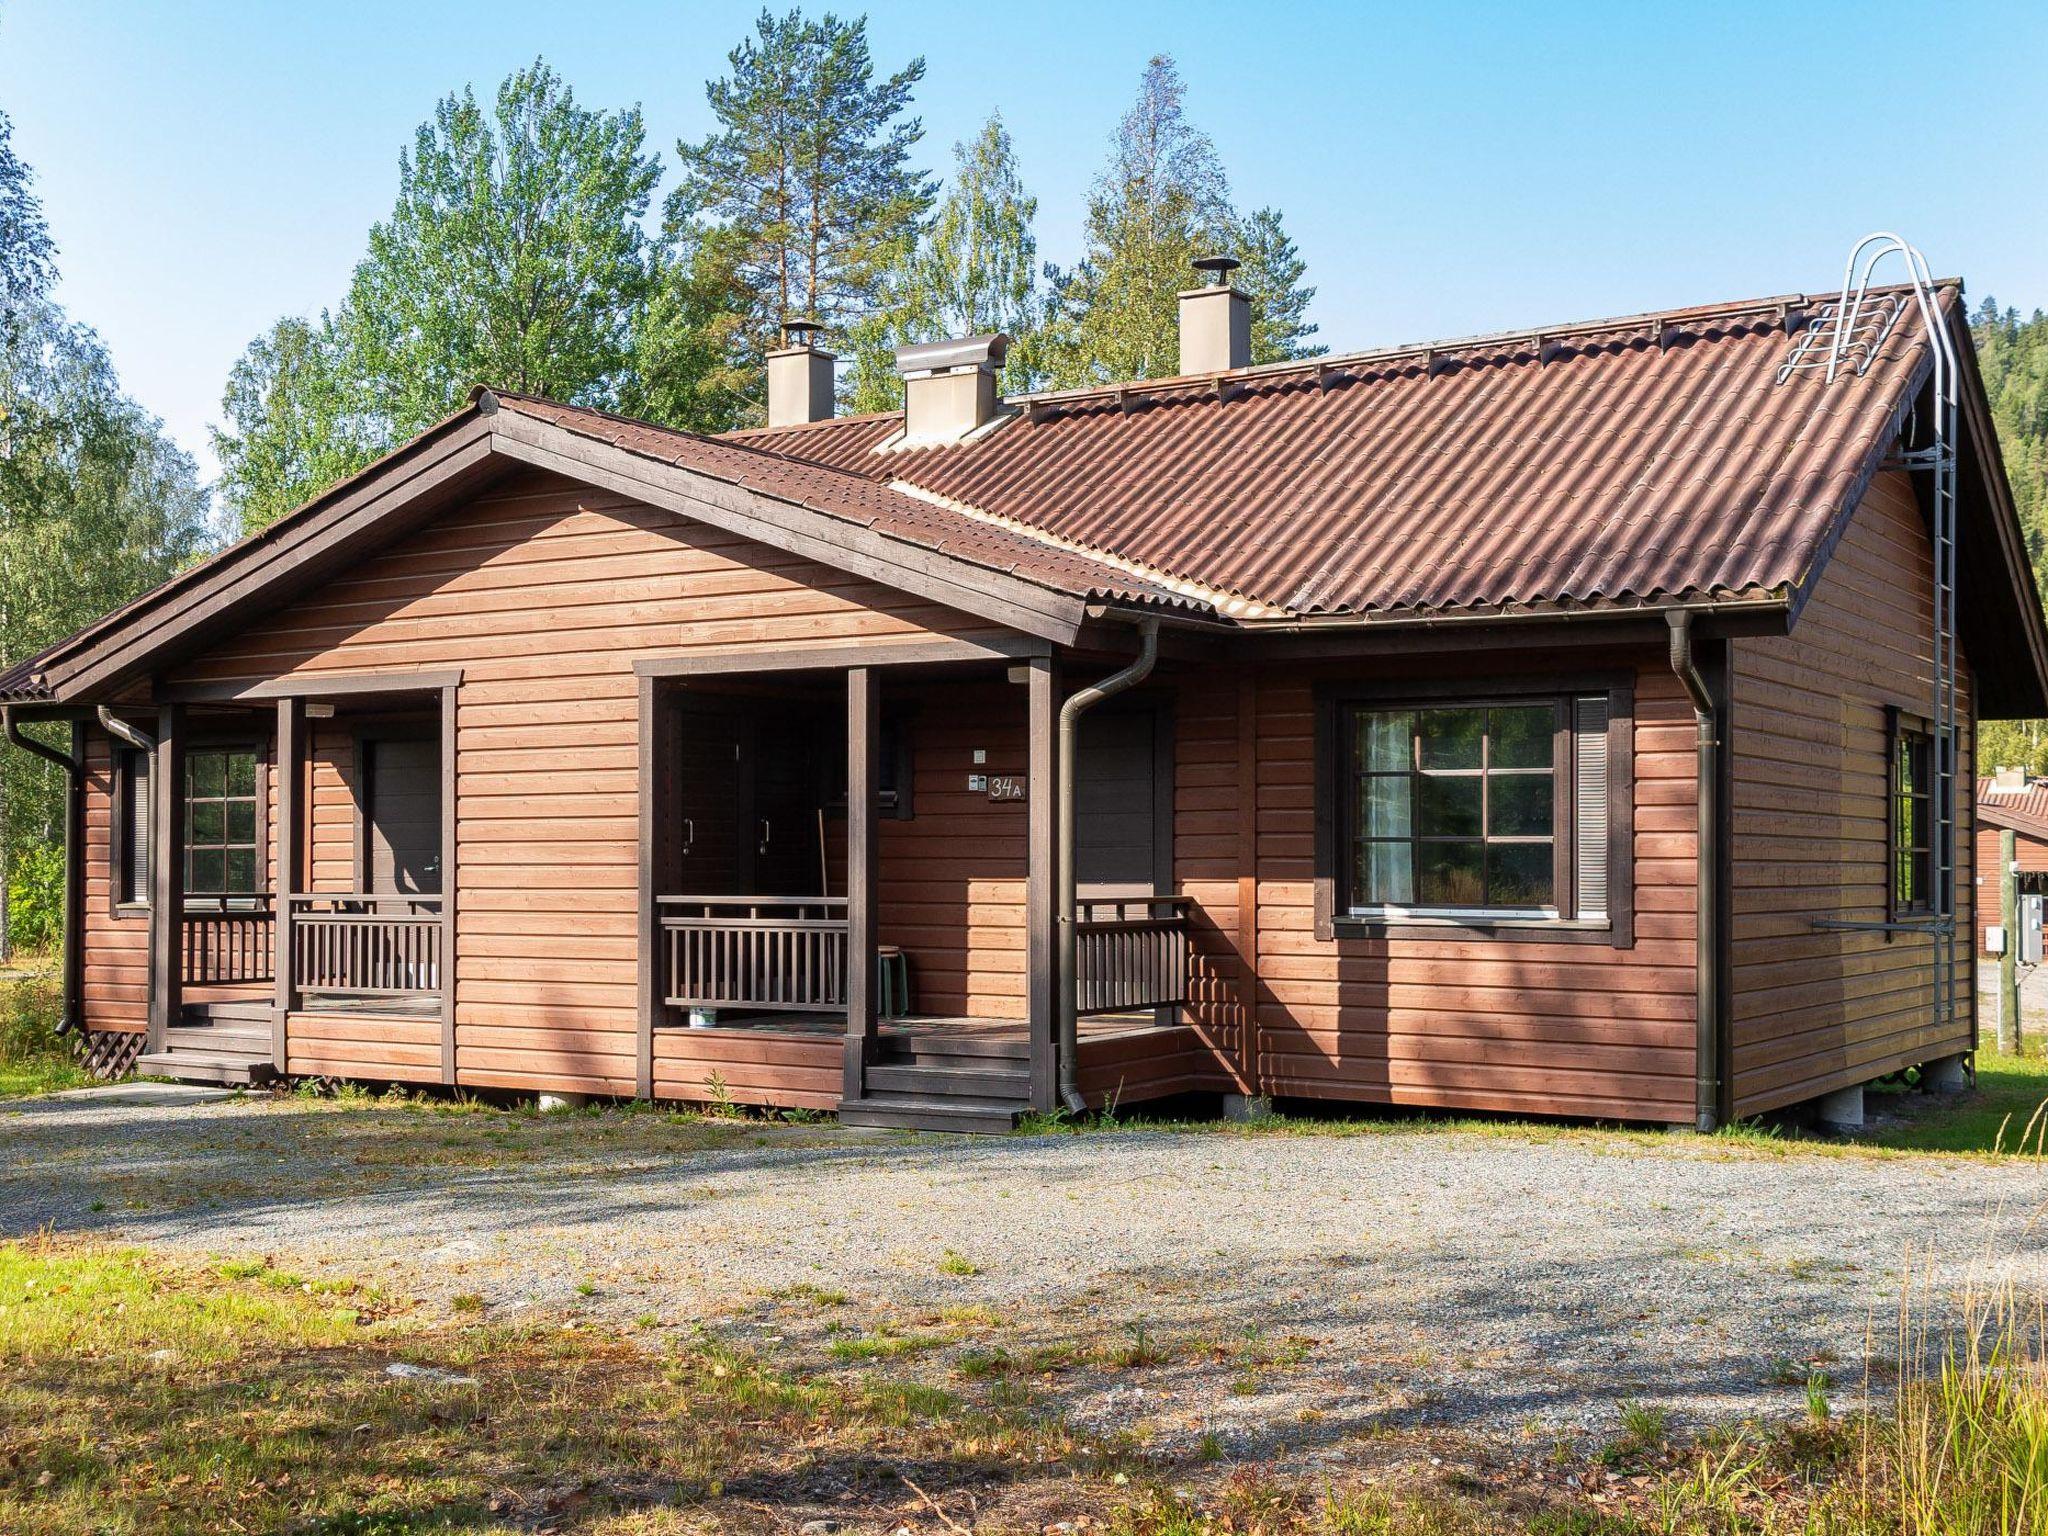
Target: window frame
{"type": "Point", "coordinates": [1900, 729]}
{"type": "Point", "coordinates": [1335, 704]}
{"type": "Point", "coordinates": [125, 785]}
{"type": "Point", "coordinates": [224, 900]}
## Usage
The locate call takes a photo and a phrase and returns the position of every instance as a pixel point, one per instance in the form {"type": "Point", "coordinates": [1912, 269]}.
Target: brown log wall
{"type": "Point", "coordinates": [1814, 1010]}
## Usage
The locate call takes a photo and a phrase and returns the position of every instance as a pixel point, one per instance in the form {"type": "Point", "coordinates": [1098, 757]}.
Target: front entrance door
{"type": "Point", "coordinates": [402, 816]}
{"type": "Point", "coordinates": [750, 793]}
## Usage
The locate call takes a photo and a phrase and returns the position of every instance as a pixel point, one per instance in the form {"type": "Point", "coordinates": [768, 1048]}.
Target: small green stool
{"type": "Point", "coordinates": [892, 982]}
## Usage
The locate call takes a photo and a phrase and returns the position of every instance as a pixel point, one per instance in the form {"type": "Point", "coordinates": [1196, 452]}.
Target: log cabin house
{"type": "Point", "coordinates": [1549, 722]}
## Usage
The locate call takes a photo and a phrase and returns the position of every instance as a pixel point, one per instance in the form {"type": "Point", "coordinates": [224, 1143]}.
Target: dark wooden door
{"type": "Point", "coordinates": [1120, 839]}
{"type": "Point", "coordinates": [790, 746]}
{"type": "Point", "coordinates": [402, 820]}
{"type": "Point", "coordinates": [713, 854]}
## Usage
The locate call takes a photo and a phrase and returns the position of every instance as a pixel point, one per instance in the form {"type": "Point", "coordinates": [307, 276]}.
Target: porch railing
{"type": "Point", "coordinates": [356, 944]}
{"type": "Point", "coordinates": [781, 952]}
{"type": "Point", "coordinates": [1130, 953]}
{"type": "Point", "coordinates": [227, 940]}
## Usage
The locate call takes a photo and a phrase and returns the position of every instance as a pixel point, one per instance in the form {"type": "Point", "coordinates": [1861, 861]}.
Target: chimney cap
{"type": "Point", "coordinates": [959, 352]}
{"type": "Point", "coordinates": [800, 332]}
{"type": "Point", "coordinates": [1217, 268]}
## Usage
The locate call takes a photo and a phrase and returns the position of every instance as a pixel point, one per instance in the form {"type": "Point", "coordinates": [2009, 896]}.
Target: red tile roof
{"type": "Point", "coordinates": [860, 500]}
{"type": "Point", "coordinates": [1631, 461]}
{"type": "Point", "coordinates": [2024, 810]}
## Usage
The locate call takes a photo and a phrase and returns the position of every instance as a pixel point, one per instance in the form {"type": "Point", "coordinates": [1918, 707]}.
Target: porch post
{"type": "Point", "coordinates": [167, 875]}
{"type": "Point", "coordinates": [863, 773]}
{"type": "Point", "coordinates": [1041, 879]}
{"type": "Point", "coordinates": [449, 884]}
{"type": "Point", "coordinates": [647, 947]}
{"type": "Point", "coordinates": [289, 771]}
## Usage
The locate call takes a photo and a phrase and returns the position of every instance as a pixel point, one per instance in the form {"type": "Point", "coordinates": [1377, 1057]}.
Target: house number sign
{"type": "Point", "coordinates": [1006, 786]}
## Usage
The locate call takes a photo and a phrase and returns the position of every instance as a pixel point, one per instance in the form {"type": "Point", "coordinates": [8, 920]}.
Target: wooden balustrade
{"type": "Point", "coordinates": [225, 940]}
{"type": "Point", "coordinates": [786, 953]}
{"type": "Point", "coordinates": [356, 944]}
{"type": "Point", "coordinates": [1130, 953]}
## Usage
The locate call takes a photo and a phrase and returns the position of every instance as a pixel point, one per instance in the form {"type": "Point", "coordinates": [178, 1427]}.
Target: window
{"type": "Point", "coordinates": [1912, 822]}
{"type": "Point", "coordinates": [1507, 811]}
{"type": "Point", "coordinates": [134, 825]}
{"type": "Point", "coordinates": [221, 848]}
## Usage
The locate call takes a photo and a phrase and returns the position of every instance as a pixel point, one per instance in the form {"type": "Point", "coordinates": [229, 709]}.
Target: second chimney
{"type": "Point", "coordinates": [949, 387]}
{"type": "Point", "coordinates": [1215, 321]}
{"type": "Point", "coordinates": [799, 377]}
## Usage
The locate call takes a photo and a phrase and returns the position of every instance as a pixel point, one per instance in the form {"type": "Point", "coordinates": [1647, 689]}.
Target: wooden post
{"type": "Point", "coordinates": [863, 773]}
{"type": "Point", "coordinates": [2009, 1032]}
{"type": "Point", "coordinates": [647, 929]}
{"type": "Point", "coordinates": [1250, 1071]}
{"type": "Point", "coordinates": [167, 875]}
{"type": "Point", "coordinates": [1041, 879]}
{"type": "Point", "coordinates": [449, 884]}
{"type": "Point", "coordinates": [290, 772]}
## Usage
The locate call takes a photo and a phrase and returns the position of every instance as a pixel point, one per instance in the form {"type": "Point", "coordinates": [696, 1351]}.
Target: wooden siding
{"type": "Point", "coordinates": [745, 1066]}
{"type": "Point", "coordinates": [116, 968]}
{"type": "Point", "coordinates": [1476, 1023]}
{"type": "Point", "coordinates": [1815, 1010]}
{"type": "Point", "coordinates": [373, 1047]}
{"type": "Point", "coordinates": [1121, 1069]}
{"type": "Point", "coordinates": [544, 593]}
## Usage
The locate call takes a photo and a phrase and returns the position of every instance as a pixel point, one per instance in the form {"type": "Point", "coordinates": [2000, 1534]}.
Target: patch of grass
{"type": "Point", "coordinates": [2008, 1112]}
{"type": "Point", "coordinates": [816, 1295]}
{"type": "Point", "coordinates": [467, 1303]}
{"type": "Point", "coordinates": [957, 1264]}
{"type": "Point", "coordinates": [33, 1057]}
{"type": "Point", "coordinates": [885, 1343]}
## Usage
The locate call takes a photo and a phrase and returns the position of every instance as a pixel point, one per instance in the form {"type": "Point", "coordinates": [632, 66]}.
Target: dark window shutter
{"type": "Point", "coordinates": [1590, 808]}
{"type": "Point", "coordinates": [135, 826]}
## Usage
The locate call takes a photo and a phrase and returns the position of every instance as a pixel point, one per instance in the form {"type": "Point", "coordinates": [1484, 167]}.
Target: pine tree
{"type": "Point", "coordinates": [974, 274]}
{"type": "Point", "coordinates": [1271, 279]}
{"type": "Point", "coordinates": [805, 199]}
{"type": "Point", "coordinates": [1162, 202]}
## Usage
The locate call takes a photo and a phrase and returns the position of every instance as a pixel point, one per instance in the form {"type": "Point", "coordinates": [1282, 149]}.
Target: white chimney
{"type": "Point", "coordinates": [949, 387]}
{"type": "Point", "coordinates": [2009, 781]}
{"type": "Point", "coordinates": [1215, 321]}
{"type": "Point", "coordinates": [799, 377]}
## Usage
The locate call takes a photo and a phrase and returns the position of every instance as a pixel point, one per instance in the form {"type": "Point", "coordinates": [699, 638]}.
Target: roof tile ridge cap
{"type": "Point", "coordinates": [1233, 604]}
{"type": "Point", "coordinates": [857, 419]}
{"type": "Point", "coordinates": [1484, 343]}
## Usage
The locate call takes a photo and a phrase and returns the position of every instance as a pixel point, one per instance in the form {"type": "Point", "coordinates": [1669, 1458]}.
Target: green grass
{"type": "Point", "coordinates": [33, 1059]}
{"type": "Point", "coordinates": [2005, 1114]}
{"type": "Point", "coordinates": [139, 1397]}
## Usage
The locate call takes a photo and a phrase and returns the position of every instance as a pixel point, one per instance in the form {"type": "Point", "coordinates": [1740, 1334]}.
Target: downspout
{"type": "Point", "coordinates": [1070, 719]}
{"type": "Point", "coordinates": [121, 730]}
{"type": "Point", "coordinates": [1706, 877]}
{"type": "Point", "coordinates": [72, 956]}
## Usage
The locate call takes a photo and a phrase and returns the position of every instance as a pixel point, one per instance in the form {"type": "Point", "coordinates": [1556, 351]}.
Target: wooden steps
{"type": "Point", "coordinates": [941, 1082]}
{"type": "Point", "coordinates": [233, 1052]}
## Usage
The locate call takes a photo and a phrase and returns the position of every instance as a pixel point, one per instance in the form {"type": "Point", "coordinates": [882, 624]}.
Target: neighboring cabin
{"type": "Point", "coordinates": [2010, 801]}
{"type": "Point", "coordinates": [1547, 723]}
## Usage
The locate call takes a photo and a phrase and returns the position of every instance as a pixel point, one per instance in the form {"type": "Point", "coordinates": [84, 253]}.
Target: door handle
{"type": "Point", "coordinates": [767, 834]}
{"type": "Point", "coordinates": [689, 834]}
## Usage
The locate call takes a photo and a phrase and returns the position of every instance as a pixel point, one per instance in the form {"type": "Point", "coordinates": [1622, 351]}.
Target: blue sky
{"type": "Point", "coordinates": [207, 167]}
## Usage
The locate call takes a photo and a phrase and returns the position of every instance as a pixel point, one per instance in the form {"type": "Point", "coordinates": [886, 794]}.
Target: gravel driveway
{"type": "Point", "coordinates": [1282, 1293]}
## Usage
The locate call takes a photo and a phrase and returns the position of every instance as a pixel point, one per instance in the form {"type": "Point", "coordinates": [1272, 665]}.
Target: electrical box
{"type": "Point", "coordinates": [1994, 939]}
{"type": "Point", "coordinates": [2030, 930]}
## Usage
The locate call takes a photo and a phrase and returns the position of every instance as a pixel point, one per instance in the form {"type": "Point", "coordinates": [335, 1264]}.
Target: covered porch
{"type": "Point", "coordinates": [294, 838]}
{"type": "Point", "coordinates": [848, 881]}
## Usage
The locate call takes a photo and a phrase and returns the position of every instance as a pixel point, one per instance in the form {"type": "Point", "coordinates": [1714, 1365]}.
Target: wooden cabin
{"type": "Point", "coordinates": [1548, 723]}
{"type": "Point", "coordinates": [2009, 801]}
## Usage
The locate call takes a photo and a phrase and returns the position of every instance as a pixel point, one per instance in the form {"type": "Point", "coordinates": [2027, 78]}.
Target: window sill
{"type": "Point", "coordinates": [131, 909]}
{"type": "Point", "coordinates": [1507, 930]}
